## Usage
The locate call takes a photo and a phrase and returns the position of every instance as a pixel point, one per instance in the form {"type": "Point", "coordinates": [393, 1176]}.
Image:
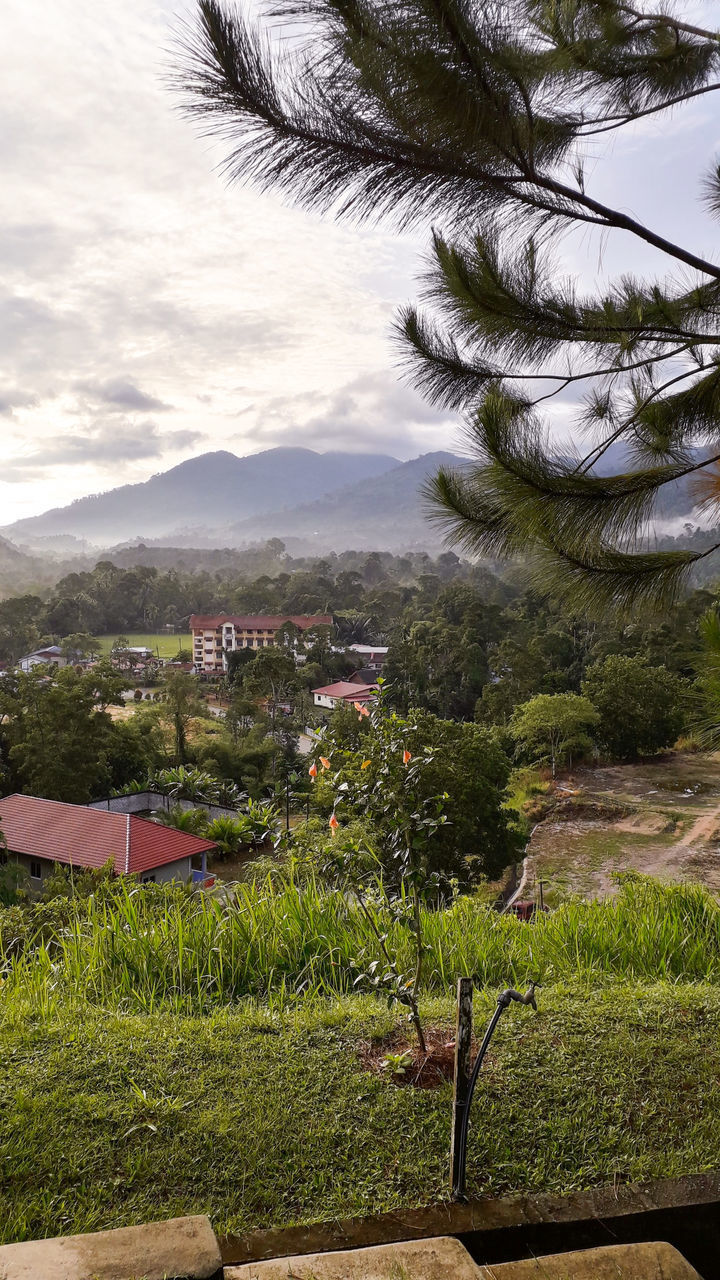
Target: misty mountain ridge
{"type": "Point", "coordinates": [387, 509]}
{"type": "Point", "coordinates": [205, 492]}
{"type": "Point", "coordinates": [326, 501]}
{"type": "Point", "coordinates": [317, 502]}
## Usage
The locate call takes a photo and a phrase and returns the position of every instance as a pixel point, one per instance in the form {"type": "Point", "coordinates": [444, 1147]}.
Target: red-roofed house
{"type": "Point", "coordinates": [343, 691]}
{"type": "Point", "coordinates": [213, 637]}
{"type": "Point", "coordinates": [39, 833]}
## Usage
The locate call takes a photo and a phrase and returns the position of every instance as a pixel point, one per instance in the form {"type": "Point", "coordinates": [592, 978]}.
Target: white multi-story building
{"type": "Point", "coordinates": [215, 637]}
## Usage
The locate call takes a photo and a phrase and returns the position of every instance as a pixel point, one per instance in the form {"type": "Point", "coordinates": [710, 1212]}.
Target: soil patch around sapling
{"type": "Point", "coordinates": [397, 1057]}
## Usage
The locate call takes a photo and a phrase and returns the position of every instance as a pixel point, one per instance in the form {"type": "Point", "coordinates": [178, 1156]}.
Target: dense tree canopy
{"type": "Point", "coordinates": [642, 708]}
{"type": "Point", "coordinates": [554, 727]}
{"type": "Point", "coordinates": [56, 737]}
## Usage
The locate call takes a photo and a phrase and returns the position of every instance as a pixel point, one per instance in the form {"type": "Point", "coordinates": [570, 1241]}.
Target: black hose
{"type": "Point", "coordinates": [504, 1001]}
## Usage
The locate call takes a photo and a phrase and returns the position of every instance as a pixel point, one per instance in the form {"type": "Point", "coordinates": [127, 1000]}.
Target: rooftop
{"type": "Point", "coordinates": [80, 837]}
{"type": "Point", "coordinates": [346, 689]}
{"type": "Point", "coordinates": [264, 622]}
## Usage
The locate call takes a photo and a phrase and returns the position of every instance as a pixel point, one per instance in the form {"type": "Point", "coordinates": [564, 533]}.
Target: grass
{"type": "Point", "coordinates": [162, 644]}
{"type": "Point", "coordinates": [150, 949]}
{"type": "Point", "coordinates": [167, 1055]}
{"type": "Point", "coordinates": [108, 1119]}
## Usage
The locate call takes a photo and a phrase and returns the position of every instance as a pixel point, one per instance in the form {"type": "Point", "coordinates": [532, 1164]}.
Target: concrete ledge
{"type": "Point", "coordinates": [179, 1249]}
{"type": "Point", "coordinates": [444, 1257]}
{"type": "Point", "coordinates": [486, 1215]}
{"type": "Point", "coordinates": [650, 1261]}
{"type": "Point", "coordinates": [437, 1259]}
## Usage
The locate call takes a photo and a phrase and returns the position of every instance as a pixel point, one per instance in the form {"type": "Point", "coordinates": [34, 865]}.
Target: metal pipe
{"type": "Point", "coordinates": [504, 1001]}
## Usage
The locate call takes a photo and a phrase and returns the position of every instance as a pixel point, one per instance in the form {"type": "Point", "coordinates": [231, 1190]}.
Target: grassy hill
{"type": "Point", "coordinates": [265, 1118]}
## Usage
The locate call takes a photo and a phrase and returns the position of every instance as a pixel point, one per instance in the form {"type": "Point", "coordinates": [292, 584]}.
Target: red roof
{"type": "Point", "coordinates": [259, 622]}
{"type": "Point", "coordinates": [80, 837]}
{"type": "Point", "coordinates": [350, 692]}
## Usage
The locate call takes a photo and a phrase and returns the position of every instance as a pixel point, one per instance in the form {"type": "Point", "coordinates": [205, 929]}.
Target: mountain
{"type": "Point", "coordinates": [384, 512]}
{"type": "Point", "coordinates": [315, 502]}
{"type": "Point", "coordinates": [20, 572]}
{"type": "Point", "coordinates": [207, 492]}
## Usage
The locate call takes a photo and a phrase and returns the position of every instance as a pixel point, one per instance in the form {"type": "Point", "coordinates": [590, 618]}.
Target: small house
{"type": "Point", "coordinates": [39, 833]}
{"type": "Point", "coordinates": [343, 691]}
{"type": "Point", "coordinates": [51, 656]}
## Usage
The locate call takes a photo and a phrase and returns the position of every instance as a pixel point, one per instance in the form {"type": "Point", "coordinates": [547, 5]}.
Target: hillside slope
{"type": "Point", "coordinates": [206, 492]}
{"type": "Point", "coordinates": [383, 513]}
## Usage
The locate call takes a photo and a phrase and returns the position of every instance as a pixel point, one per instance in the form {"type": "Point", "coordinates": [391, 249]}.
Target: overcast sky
{"type": "Point", "coordinates": [148, 313]}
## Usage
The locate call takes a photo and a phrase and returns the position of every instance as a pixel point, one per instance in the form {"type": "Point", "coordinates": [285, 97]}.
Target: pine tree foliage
{"type": "Point", "coordinates": [478, 116]}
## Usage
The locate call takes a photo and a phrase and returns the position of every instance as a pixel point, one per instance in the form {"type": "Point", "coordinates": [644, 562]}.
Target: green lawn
{"type": "Point", "coordinates": [166, 646]}
{"type": "Point", "coordinates": [110, 1118]}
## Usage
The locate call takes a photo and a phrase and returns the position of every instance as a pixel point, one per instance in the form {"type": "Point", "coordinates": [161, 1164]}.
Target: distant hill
{"type": "Point", "coordinates": [382, 512]}
{"type": "Point", "coordinates": [315, 502]}
{"type": "Point", "coordinates": [19, 572]}
{"type": "Point", "coordinates": [212, 490]}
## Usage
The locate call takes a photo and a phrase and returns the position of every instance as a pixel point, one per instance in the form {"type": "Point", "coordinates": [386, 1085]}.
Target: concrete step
{"type": "Point", "coordinates": [441, 1258]}
{"type": "Point", "coordinates": [179, 1249]}
{"type": "Point", "coordinates": [648, 1261]}
{"type": "Point", "coordinates": [444, 1258]}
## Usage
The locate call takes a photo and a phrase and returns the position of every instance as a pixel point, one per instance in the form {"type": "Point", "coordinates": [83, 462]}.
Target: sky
{"type": "Point", "coordinates": [149, 313]}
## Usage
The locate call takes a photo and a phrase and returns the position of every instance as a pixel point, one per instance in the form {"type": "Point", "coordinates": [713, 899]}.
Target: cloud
{"type": "Point", "coordinates": [374, 411]}
{"type": "Point", "coordinates": [120, 440]}
{"type": "Point", "coordinates": [121, 394]}
{"type": "Point", "coordinates": [137, 284]}
{"type": "Point", "coordinates": [13, 399]}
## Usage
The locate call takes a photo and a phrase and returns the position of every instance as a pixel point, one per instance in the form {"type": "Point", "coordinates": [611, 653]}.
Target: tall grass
{"type": "Point", "coordinates": [148, 950]}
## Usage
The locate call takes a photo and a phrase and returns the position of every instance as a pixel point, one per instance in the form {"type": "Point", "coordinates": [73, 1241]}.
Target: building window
{"type": "Point", "coordinates": [35, 869]}
{"type": "Point", "coordinates": [148, 879]}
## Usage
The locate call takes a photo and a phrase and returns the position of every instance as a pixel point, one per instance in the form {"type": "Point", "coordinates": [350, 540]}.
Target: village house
{"type": "Point", "coordinates": [51, 656]}
{"type": "Point", "coordinates": [141, 653]}
{"type": "Point", "coordinates": [39, 833]}
{"type": "Point", "coordinates": [372, 656]}
{"type": "Point", "coordinates": [343, 691]}
{"type": "Point", "coordinates": [215, 637]}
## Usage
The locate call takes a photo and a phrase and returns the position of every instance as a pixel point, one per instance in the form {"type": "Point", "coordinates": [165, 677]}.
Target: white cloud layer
{"type": "Point", "coordinates": [147, 313]}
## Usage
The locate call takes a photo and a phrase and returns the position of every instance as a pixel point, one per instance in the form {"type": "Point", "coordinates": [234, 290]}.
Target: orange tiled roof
{"type": "Point", "coordinates": [345, 689]}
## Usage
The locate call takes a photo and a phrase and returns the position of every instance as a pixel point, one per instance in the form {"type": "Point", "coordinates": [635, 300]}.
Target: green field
{"type": "Point", "coordinates": [165, 646]}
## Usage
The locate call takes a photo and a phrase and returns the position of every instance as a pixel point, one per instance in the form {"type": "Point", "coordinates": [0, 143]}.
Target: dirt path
{"type": "Point", "coordinates": [703, 829]}
{"type": "Point", "coordinates": [672, 831]}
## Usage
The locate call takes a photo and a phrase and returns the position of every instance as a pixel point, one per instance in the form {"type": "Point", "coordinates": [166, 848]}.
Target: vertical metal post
{"type": "Point", "coordinates": [463, 1042]}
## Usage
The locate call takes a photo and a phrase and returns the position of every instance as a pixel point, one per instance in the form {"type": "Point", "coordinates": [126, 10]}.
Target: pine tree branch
{"type": "Point", "coordinates": [611, 371]}
{"type": "Point", "coordinates": [667, 20]}
{"type": "Point", "coordinates": [623, 222]}
{"type": "Point", "coordinates": [621, 120]}
{"type": "Point", "coordinates": [582, 468]}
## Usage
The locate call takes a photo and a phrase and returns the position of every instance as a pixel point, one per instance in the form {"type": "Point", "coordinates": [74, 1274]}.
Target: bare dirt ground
{"type": "Point", "coordinates": [671, 828]}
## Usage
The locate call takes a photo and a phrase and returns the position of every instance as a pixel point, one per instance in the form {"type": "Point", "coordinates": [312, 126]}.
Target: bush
{"type": "Point", "coordinates": [469, 770]}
